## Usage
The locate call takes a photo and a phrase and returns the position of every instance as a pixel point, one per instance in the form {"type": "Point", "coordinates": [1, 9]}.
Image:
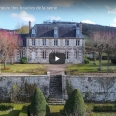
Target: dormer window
{"type": "Point", "coordinates": [55, 32]}
{"type": "Point", "coordinates": [33, 33]}
{"type": "Point", "coordinates": [77, 31]}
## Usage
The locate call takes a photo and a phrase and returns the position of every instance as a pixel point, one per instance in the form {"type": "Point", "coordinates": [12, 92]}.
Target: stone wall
{"type": "Point", "coordinates": [92, 88]}
{"type": "Point", "coordinates": [10, 84]}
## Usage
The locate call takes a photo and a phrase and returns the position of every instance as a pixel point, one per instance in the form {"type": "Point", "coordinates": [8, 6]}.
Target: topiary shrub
{"type": "Point", "coordinates": [75, 106]}
{"type": "Point", "coordinates": [23, 60]}
{"type": "Point", "coordinates": [38, 106]}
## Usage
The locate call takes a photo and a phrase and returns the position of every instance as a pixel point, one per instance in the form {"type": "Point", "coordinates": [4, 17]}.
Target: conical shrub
{"type": "Point", "coordinates": [38, 105]}
{"type": "Point", "coordinates": [75, 105]}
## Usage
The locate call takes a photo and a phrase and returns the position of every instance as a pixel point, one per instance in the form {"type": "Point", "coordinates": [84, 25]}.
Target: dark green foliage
{"type": "Point", "coordinates": [5, 107]}
{"type": "Point", "coordinates": [75, 104]}
{"type": "Point", "coordinates": [86, 61]}
{"type": "Point", "coordinates": [113, 60]}
{"type": "Point", "coordinates": [38, 105]}
{"type": "Point", "coordinates": [104, 108]}
{"type": "Point", "coordinates": [69, 88]}
{"type": "Point", "coordinates": [23, 60]}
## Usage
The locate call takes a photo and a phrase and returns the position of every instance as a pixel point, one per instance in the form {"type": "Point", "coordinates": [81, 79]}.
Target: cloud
{"type": "Point", "coordinates": [111, 11]}
{"type": "Point", "coordinates": [87, 21]}
{"type": "Point", "coordinates": [24, 16]}
{"type": "Point", "coordinates": [114, 23]}
{"type": "Point", "coordinates": [11, 2]}
{"type": "Point", "coordinates": [57, 18]}
{"type": "Point", "coordinates": [65, 3]}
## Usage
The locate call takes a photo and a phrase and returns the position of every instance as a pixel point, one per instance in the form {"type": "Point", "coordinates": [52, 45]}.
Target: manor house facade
{"type": "Point", "coordinates": [56, 37]}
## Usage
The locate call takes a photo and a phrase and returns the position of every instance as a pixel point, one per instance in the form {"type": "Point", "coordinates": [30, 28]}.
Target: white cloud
{"type": "Point", "coordinates": [24, 16]}
{"type": "Point", "coordinates": [57, 18]}
{"type": "Point", "coordinates": [66, 3]}
{"type": "Point", "coordinates": [111, 11]}
{"type": "Point", "coordinates": [114, 23]}
{"type": "Point", "coordinates": [87, 21]}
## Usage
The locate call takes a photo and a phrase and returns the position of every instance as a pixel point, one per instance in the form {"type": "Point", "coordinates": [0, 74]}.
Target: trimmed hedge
{"type": "Point", "coordinates": [5, 107]}
{"type": "Point", "coordinates": [104, 108]}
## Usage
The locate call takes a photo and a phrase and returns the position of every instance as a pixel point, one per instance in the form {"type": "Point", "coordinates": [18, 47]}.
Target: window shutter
{"type": "Point", "coordinates": [80, 42]}
{"type": "Point", "coordinates": [30, 42]}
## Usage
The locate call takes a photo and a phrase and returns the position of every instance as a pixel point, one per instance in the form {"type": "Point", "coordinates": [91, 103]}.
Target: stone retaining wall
{"type": "Point", "coordinates": [92, 88]}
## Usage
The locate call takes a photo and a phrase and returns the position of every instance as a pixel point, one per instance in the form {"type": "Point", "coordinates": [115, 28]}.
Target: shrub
{"type": "Point", "coordinates": [86, 61]}
{"type": "Point", "coordinates": [113, 60]}
{"type": "Point", "coordinates": [23, 60]}
{"type": "Point", "coordinates": [104, 108]}
{"type": "Point", "coordinates": [5, 107]}
{"type": "Point", "coordinates": [38, 106]}
{"type": "Point", "coordinates": [75, 104]}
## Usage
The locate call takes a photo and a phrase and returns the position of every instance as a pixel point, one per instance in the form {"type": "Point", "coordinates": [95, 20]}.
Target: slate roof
{"type": "Point", "coordinates": [64, 30]}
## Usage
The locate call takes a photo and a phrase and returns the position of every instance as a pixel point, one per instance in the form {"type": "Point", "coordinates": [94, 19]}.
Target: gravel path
{"type": "Point", "coordinates": [56, 69]}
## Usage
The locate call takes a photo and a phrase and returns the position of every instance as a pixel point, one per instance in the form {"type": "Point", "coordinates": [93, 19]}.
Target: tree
{"type": "Point", "coordinates": [75, 104]}
{"type": "Point", "coordinates": [22, 29]}
{"type": "Point", "coordinates": [38, 105]}
{"type": "Point", "coordinates": [9, 41]}
{"type": "Point", "coordinates": [98, 42]}
{"type": "Point", "coordinates": [111, 47]}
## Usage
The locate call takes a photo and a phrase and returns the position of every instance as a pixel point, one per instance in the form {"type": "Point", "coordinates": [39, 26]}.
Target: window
{"type": "Point", "coordinates": [55, 42]}
{"type": "Point", "coordinates": [67, 42]}
{"type": "Point", "coordinates": [33, 33]}
{"type": "Point", "coordinates": [33, 41]}
{"type": "Point", "coordinates": [21, 53]}
{"type": "Point", "coordinates": [44, 42]}
{"type": "Point", "coordinates": [77, 31]}
{"type": "Point", "coordinates": [77, 42]}
{"type": "Point", "coordinates": [67, 55]}
{"type": "Point", "coordinates": [44, 55]}
{"type": "Point", "coordinates": [55, 32]}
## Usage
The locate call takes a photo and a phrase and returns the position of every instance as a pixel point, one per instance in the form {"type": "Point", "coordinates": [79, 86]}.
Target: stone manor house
{"type": "Point", "coordinates": [55, 37]}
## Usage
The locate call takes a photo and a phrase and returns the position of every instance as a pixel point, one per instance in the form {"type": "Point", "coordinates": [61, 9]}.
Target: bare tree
{"type": "Point", "coordinates": [9, 41]}
{"type": "Point", "coordinates": [98, 42]}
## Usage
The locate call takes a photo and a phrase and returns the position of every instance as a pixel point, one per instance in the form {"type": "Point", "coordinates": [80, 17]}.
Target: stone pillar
{"type": "Point", "coordinates": [64, 90]}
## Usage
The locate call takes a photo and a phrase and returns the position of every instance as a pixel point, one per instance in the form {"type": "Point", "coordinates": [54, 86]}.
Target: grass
{"type": "Point", "coordinates": [21, 110]}
{"type": "Point", "coordinates": [89, 68]}
{"type": "Point", "coordinates": [25, 68]}
{"type": "Point", "coordinates": [15, 112]}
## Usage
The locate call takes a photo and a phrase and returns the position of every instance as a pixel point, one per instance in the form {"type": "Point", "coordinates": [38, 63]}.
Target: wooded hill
{"type": "Point", "coordinates": [87, 29]}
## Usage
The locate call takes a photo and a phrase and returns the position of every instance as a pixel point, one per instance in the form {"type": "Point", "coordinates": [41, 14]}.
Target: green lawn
{"type": "Point", "coordinates": [21, 110]}
{"type": "Point", "coordinates": [89, 68]}
{"type": "Point", "coordinates": [15, 112]}
{"type": "Point", "coordinates": [25, 68]}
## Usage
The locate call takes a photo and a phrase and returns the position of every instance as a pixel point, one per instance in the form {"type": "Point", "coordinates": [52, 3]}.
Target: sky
{"type": "Point", "coordinates": [14, 13]}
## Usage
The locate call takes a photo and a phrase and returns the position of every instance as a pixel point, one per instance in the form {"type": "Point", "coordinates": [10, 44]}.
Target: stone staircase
{"type": "Point", "coordinates": [55, 96]}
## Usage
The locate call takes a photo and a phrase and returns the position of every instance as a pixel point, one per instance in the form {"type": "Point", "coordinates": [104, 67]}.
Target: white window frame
{"type": "Point", "coordinates": [44, 42]}
{"type": "Point", "coordinates": [44, 54]}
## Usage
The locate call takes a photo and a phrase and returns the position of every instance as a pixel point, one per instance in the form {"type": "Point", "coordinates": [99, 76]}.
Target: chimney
{"type": "Point", "coordinates": [80, 26]}
{"type": "Point", "coordinates": [29, 26]}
